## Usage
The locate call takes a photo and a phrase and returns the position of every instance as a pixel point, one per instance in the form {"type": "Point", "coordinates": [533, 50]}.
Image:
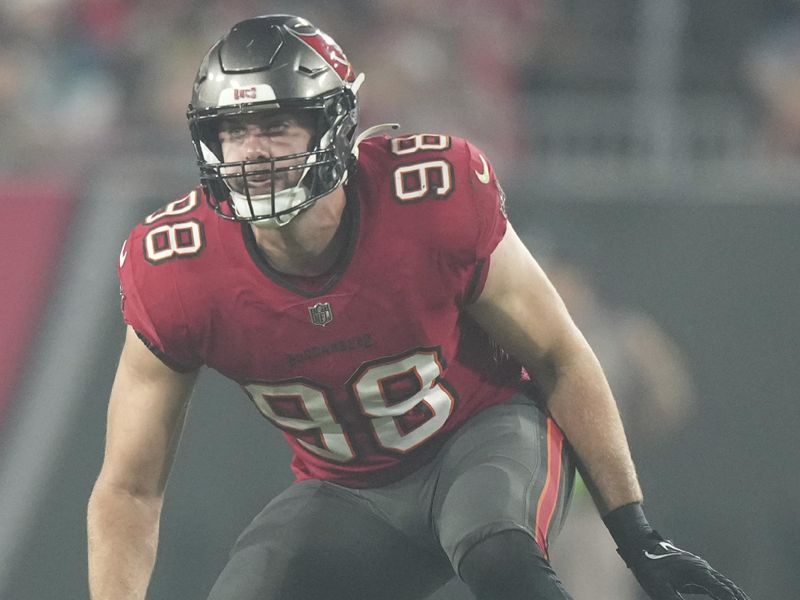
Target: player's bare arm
{"type": "Point", "coordinates": [524, 313]}
{"type": "Point", "coordinates": [145, 416]}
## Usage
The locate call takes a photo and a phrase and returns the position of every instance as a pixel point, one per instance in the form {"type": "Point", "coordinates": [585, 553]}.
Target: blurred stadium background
{"type": "Point", "coordinates": [649, 150]}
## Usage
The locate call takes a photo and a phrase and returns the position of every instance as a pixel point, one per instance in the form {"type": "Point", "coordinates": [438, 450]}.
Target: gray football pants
{"type": "Point", "coordinates": [508, 468]}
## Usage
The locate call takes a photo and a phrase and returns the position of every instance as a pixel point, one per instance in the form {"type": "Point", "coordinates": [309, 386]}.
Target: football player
{"type": "Point", "coordinates": [372, 300]}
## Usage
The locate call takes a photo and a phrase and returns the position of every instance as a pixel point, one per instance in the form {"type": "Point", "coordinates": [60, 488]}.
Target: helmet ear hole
{"type": "Point", "coordinates": [335, 108]}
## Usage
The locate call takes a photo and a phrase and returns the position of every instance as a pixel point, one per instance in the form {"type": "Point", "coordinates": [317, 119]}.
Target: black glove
{"type": "Point", "coordinates": [663, 569]}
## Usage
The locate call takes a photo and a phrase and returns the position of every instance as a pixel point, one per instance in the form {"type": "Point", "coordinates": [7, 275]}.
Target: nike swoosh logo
{"type": "Point", "coordinates": [484, 176]}
{"type": "Point", "coordinates": [657, 556]}
{"type": "Point", "coordinates": [123, 254]}
{"type": "Point", "coordinates": [671, 551]}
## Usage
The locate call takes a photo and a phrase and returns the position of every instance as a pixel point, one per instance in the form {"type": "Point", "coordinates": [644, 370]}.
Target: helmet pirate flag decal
{"type": "Point", "coordinates": [329, 50]}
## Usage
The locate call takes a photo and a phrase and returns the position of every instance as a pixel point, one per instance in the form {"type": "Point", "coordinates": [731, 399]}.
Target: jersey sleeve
{"type": "Point", "coordinates": [490, 220]}
{"type": "Point", "coordinates": [151, 305]}
{"type": "Point", "coordinates": [443, 193]}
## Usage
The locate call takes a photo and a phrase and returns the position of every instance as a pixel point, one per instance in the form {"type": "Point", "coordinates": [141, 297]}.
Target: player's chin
{"type": "Point", "coordinates": [262, 188]}
{"type": "Point", "coordinates": [250, 185]}
{"type": "Point", "coordinates": [261, 184]}
{"type": "Point", "coordinates": [236, 184]}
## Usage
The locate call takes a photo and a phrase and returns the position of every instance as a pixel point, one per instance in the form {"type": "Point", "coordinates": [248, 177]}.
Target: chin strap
{"type": "Point", "coordinates": [290, 197]}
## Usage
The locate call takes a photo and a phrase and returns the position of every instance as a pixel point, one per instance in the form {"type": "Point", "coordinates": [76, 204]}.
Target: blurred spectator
{"type": "Point", "coordinates": [451, 67]}
{"type": "Point", "coordinates": [59, 84]}
{"type": "Point", "coordinates": [653, 389]}
{"type": "Point", "coordinates": [772, 70]}
{"type": "Point", "coordinates": [81, 80]}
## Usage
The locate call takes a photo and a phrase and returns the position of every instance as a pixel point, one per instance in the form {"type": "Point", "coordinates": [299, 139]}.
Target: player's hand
{"type": "Point", "coordinates": [664, 570]}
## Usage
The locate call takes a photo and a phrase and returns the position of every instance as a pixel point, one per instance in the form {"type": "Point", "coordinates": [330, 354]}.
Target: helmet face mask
{"type": "Point", "coordinates": [262, 66]}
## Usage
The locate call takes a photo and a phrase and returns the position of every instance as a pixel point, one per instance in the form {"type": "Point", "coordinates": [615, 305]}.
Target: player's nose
{"type": "Point", "coordinates": [257, 145]}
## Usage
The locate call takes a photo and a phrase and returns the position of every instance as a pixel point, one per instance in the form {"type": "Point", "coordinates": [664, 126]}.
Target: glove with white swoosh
{"type": "Point", "coordinates": [663, 569]}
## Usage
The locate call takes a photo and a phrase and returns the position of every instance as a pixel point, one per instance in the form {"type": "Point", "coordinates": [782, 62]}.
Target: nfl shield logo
{"type": "Point", "coordinates": [321, 313]}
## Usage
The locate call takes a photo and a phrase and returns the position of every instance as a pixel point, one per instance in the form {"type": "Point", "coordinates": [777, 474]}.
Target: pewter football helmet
{"type": "Point", "coordinates": [268, 63]}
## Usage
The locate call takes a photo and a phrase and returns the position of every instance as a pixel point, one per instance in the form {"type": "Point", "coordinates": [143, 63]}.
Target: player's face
{"type": "Point", "coordinates": [261, 136]}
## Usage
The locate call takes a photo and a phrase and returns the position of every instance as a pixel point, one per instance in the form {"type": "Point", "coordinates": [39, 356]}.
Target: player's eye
{"type": "Point", "coordinates": [231, 131]}
{"type": "Point", "coordinates": [276, 128]}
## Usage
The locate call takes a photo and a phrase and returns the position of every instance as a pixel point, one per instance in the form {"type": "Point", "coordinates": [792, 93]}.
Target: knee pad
{"type": "Point", "coordinates": [509, 565]}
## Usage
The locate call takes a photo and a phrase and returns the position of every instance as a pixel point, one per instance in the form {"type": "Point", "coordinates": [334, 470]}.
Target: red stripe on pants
{"type": "Point", "coordinates": [546, 507]}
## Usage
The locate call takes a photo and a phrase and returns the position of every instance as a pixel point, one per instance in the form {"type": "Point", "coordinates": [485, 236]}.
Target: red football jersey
{"type": "Point", "coordinates": [368, 369]}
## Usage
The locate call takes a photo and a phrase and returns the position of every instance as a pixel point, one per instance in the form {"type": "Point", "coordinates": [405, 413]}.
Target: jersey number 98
{"type": "Point", "coordinates": [403, 398]}
{"type": "Point", "coordinates": [426, 180]}
{"type": "Point", "coordinates": [174, 240]}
